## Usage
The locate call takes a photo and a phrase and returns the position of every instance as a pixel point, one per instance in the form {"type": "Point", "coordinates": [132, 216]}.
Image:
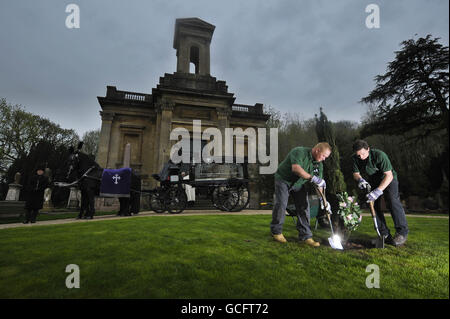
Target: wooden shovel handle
{"type": "Point", "coordinates": [321, 194]}
{"type": "Point", "coordinates": [372, 209]}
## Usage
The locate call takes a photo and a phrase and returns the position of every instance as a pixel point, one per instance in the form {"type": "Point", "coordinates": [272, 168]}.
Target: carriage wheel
{"type": "Point", "coordinates": [177, 200]}
{"type": "Point", "coordinates": [244, 198]}
{"type": "Point", "coordinates": [157, 202]}
{"type": "Point", "coordinates": [225, 198]}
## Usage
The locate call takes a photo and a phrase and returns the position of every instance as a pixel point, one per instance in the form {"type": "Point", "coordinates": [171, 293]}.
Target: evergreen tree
{"type": "Point", "coordinates": [412, 93]}
{"type": "Point", "coordinates": [331, 166]}
{"type": "Point", "coordinates": [332, 169]}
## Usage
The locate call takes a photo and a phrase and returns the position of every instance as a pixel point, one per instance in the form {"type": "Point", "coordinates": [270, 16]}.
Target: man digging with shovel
{"type": "Point", "coordinates": [377, 166]}
{"type": "Point", "coordinates": [301, 165]}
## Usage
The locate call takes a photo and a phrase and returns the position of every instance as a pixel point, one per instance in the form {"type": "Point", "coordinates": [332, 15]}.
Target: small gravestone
{"type": "Point", "coordinates": [47, 198]}
{"type": "Point", "coordinates": [14, 189]}
{"type": "Point", "coordinates": [73, 201]}
{"type": "Point", "coordinates": [12, 207]}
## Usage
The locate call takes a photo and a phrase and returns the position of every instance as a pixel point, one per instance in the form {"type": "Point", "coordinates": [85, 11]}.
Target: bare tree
{"type": "Point", "coordinates": [20, 131]}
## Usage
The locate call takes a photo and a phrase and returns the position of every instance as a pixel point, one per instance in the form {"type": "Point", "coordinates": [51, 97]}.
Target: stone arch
{"type": "Point", "coordinates": [194, 57]}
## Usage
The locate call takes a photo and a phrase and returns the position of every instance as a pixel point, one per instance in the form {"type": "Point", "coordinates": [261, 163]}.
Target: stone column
{"type": "Point", "coordinates": [183, 59]}
{"type": "Point", "coordinates": [223, 122]}
{"type": "Point", "coordinates": [223, 119]}
{"type": "Point", "coordinates": [165, 110]}
{"type": "Point", "coordinates": [127, 155]}
{"type": "Point", "coordinates": [204, 63]}
{"type": "Point", "coordinates": [105, 137]}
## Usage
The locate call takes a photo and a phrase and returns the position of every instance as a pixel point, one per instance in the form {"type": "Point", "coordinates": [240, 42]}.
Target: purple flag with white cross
{"type": "Point", "coordinates": [116, 182]}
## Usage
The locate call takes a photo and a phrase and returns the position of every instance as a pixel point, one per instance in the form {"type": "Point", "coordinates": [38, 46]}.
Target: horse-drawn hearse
{"type": "Point", "coordinates": [225, 184]}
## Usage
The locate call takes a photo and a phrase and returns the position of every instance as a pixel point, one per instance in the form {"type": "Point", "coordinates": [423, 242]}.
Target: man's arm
{"type": "Point", "coordinates": [299, 171]}
{"type": "Point", "coordinates": [377, 192]}
{"type": "Point", "coordinates": [388, 177]}
{"type": "Point", "coordinates": [357, 176]}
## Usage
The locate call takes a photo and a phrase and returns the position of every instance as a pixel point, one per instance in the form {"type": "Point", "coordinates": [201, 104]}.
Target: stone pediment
{"type": "Point", "coordinates": [194, 22]}
{"type": "Point", "coordinates": [194, 26]}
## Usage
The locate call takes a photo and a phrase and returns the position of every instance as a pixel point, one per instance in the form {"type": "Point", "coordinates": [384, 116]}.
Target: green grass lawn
{"type": "Point", "coordinates": [218, 256]}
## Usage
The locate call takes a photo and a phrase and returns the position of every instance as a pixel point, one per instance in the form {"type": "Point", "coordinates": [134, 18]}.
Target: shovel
{"type": "Point", "coordinates": [334, 240]}
{"type": "Point", "coordinates": [379, 242]}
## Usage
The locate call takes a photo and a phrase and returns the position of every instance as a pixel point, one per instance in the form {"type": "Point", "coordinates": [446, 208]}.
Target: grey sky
{"type": "Point", "coordinates": [295, 55]}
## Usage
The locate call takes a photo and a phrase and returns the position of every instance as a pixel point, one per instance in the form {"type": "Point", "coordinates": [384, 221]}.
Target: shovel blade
{"type": "Point", "coordinates": [335, 243]}
{"type": "Point", "coordinates": [378, 242]}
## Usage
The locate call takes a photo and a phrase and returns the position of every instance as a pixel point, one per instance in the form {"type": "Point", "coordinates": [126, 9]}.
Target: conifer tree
{"type": "Point", "coordinates": [331, 167]}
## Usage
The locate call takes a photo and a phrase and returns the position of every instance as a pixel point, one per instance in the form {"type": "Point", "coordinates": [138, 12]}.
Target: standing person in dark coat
{"type": "Point", "coordinates": [35, 199]}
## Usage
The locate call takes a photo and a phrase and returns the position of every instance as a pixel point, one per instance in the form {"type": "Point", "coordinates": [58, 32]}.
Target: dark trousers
{"type": "Point", "coordinates": [394, 204]}
{"type": "Point", "coordinates": [31, 215]}
{"type": "Point", "coordinates": [124, 206]}
{"type": "Point", "coordinates": [301, 202]}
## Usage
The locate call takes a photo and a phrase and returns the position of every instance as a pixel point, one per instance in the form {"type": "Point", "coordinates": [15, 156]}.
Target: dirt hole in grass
{"type": "Point", "coordinates": [354, 244]}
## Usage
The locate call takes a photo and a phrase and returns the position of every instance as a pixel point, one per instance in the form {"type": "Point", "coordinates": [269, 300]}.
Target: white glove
{"type": "Point", "coordinates": [362, 184]}
{"type": "Point", "coordinates": [373, 195]}
{"type": "Point", "coordinates": [327, 207]}
{"type": "Point", "coordinates": [318, 181]}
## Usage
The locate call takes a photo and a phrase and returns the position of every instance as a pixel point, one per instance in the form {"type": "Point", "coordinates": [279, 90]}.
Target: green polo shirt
{"type": "Point", "coordinates": [303, 157]}
{"type": "Point", "coordinates": [374, 165]}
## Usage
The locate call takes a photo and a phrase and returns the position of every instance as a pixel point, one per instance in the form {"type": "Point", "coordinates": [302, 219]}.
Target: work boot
{"type": "Point", "coordinates": [399, 240]}
{"type": "Point", "coordinates": [311, 242]}
{"type": "Point", "coordinates": [388, 240]}
{"type": "Point", "coordinates": [279, 238]}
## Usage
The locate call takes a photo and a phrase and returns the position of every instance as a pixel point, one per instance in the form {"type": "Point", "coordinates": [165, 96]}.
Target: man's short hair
{"type": "Point", "coordinates": [360, 144]}
{"type": "Point", "coordinates": [322, 146]}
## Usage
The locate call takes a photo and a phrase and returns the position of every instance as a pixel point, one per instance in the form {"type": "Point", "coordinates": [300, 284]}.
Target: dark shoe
{"type": "Point", "coordinates": [89, 217]}
{"type": "Point", "coordinates": [25, 221]}
{"type": "Point", "coordinates": [388, 240]}
{"type": "Point", "coordinates": [400, 240]}
{"type": "Point", "coordinates": [33, 221]}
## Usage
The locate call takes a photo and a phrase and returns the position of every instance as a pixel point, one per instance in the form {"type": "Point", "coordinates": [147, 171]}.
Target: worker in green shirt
{"type": "Point", "coordinates": [301, 165]}
{"type": "Point", "coordinates": [382, 181]}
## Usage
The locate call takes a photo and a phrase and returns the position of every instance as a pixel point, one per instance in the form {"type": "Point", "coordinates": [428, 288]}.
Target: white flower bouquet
{"type": "Point", "coordinates": [349, 211]}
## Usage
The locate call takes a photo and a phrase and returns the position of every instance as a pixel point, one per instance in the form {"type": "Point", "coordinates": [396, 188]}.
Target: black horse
{"type": "Point", "coordinates": [88, 173]}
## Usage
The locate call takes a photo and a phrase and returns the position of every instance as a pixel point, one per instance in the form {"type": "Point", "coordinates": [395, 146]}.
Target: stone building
{"type": "Point", "coordinates": [146, 120]}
